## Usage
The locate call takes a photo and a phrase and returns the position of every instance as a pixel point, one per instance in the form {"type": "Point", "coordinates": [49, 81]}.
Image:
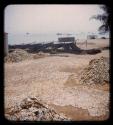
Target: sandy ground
{"type": "Point", "coordinates": [93, 43]}
{"type": "Point", "coordinates": [49, 79]}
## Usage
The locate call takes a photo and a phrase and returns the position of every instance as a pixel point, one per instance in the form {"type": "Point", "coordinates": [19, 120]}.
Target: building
{"type": "Point", "coordinates": [66, 39]}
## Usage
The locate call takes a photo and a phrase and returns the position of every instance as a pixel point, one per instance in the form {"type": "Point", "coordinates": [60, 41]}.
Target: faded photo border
{"type": "Point", "coordinates": [4, 4]}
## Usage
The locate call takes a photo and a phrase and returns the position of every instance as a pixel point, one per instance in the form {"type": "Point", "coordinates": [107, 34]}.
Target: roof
{"type": "Point", "coordinates": [66, 39]}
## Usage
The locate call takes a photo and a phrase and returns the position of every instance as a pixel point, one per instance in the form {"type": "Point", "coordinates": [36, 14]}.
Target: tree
{"type": "Point", "coordinates": [104, 18]}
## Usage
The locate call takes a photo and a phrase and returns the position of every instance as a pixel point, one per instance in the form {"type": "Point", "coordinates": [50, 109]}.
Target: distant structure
{"type": "Point", "coordinates": [5, 43]}
{"type": "Point", "coordinates": [69, 34]}
{"type": "Point", "coordinates": [59, 34]}
{"type": "Point", "coordinates": [91, 36]}
{"type": "Point", "coordinates": [66, 39]}
{"type": "Point", "coordinates": [27, 33]}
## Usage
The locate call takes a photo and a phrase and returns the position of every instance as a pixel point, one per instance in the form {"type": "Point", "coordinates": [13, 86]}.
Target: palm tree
{"type": "Point", "coordinates": [104, 18]}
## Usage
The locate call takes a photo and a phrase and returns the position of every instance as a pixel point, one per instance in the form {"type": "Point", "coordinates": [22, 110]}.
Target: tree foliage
{"type": "Point", "coordinates": [104, 18]}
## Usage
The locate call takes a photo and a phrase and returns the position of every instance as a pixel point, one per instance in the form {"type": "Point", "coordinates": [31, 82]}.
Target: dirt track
{"type": "Point", "coordinates": [54, 80]}
{"type": "Point", "coordinates": [48, 79]}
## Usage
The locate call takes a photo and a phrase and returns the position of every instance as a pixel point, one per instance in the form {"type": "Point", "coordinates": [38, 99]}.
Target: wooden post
{"type": "Point", "coordinates": [5, 43]}
{"type": "Point", "coordinates": [86, 42]}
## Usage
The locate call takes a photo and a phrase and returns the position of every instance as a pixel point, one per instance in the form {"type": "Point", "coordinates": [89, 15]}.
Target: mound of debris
{"type": "Point", "coordinates": [93, 51]}
{"type": "Point", "coordinates": [16, 56]}
{"type": "Point", "coordinates": [32, 109]}
{"type": "Point", "coordinates": [97, 72]}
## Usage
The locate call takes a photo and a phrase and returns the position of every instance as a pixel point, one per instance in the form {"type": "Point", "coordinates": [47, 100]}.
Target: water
{"type": "Point", "coordinates": [39, 38]}
{"type": "Point", "coordinates": [31, 38]}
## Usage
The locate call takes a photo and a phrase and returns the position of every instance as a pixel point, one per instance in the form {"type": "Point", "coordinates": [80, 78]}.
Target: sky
{"type": "Point", "coordinates": [51, 18]}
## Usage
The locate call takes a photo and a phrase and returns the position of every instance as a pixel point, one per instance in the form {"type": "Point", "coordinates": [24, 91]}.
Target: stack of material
{"type": "Point", "coordinates": [97, 72]}
{"type": "Point", "coordinates": [16, 56]}
{"type": "Point", "coordinates": [32, 109]}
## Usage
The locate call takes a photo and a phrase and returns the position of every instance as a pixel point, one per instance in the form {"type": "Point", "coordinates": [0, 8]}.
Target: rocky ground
{"type": "Point", "coordinates": [97, 72]}
{"type": "Point", "coordinates": [54, 79]}
{"type": "Point", "coordinates": [32, 109]}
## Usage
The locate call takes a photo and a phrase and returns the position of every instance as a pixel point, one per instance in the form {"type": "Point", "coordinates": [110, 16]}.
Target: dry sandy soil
{"type": "Point", "coordinates": [49, 79]}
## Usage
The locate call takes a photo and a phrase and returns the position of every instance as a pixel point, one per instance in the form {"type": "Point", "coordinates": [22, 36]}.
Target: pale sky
{"type": "Point", "coordinates": [51, 18]}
